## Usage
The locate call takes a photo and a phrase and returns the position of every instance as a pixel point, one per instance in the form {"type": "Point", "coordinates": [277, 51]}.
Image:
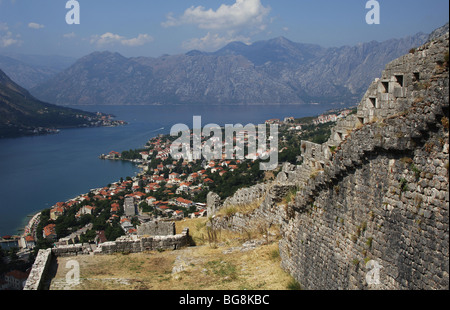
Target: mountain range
{"type": "Point", "coordinates": [22, 114]}
{"type": "Point", "coordinates": [30, 70]}
{"type": "Point", "coordinates": [276, 71]}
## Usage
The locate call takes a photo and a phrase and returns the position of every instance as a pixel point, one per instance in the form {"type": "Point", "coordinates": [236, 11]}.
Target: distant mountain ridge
{"type": "Point", "coordinates": [22, 114]}
{"type": "Point", "coordinates": [32, 70]}
{"type": "Point", "coordinates": [276, 71]}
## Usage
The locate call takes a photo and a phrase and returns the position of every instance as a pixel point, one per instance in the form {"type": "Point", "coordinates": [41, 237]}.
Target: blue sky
{"type": "Point", "coordinates": [157, 27]}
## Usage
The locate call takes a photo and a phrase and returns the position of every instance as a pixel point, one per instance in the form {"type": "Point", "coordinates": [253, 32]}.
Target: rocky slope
{"type": "Point", "coordinates": [266, 72]}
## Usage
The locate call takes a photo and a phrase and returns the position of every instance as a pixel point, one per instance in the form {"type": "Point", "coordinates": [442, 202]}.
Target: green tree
{"type": "Point", "coordinates": [89, 236]}
{"type": "Point", "coordinates": [113, 231]}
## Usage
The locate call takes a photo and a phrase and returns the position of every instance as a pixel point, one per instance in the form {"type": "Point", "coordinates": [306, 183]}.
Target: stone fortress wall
{"type": "Point", "coordinates": [374, 198]}
{"type": "Point", "coordinates": [38, 271]}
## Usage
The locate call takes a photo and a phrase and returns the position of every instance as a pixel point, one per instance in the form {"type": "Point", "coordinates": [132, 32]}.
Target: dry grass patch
{"type": "Point", "coordinates": [194, 268]}
{"type": "Point", "coordinates": [202, 233]}
{"type": "Point", "coordinates": [226, 266]}
{"type": "Point", "coordinates": [196, 229]}
{"type": "Point", "coordinates": [117, 271]}
{"type": "Point", "coordinates": [241, 208]}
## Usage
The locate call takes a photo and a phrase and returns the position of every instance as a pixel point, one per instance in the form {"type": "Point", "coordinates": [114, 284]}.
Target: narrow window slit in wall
{"type": "Point", "coordinates": [399, 79]}
{"type": "Point", "coordinates": [385, 88]}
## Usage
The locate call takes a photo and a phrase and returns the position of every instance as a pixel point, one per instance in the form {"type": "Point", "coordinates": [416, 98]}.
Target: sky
{"type": "Point", "coordinates": [157, 27]}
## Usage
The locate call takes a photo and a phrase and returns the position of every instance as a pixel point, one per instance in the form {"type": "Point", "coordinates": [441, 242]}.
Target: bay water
{"type": "Point", "coordinates": [37, 172]}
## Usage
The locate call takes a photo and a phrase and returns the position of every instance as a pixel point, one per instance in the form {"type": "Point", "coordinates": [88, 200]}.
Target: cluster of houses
{"type": "Point", "coordinates": [14, 280]}
{"type": "Point", "coordinates": [333, 117]}
{"type": "Point", "coordinates": [175, 186]}
{"type": "Point", "coordinates": [132, 208]}
{"type": "Point", "coordinates": [286, 121]}
{"type": "Point", "coordinates": [103, 120]}
{"type": "Point", "coordinates": [125, 199]}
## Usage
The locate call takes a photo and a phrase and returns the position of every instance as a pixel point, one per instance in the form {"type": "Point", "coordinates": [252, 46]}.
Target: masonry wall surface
{"type": "Point", "coordinates": [156, 228]}
{"type": "Point", "coordinates": [39, 270]}
{"type": "Point", "coordinates": [382, 197]}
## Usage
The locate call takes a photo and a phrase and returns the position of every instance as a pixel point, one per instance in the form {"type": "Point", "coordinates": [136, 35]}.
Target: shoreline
{"type": "Point", "coordinates": [34, 217]}
{"type": "Point", "coordinates": [32, 223]}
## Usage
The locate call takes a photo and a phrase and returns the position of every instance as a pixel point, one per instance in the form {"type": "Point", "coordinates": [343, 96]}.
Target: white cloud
{"type": "Point", "coordinates": [243, 13]}
{"type": "Point", "coordinates": [111, 38]}
{"type": "Point", "coordinates": [235, 22]}
{"type": "Point", "coordinates": [106, 38]}
{"type": "Point", "coordinates": [35, 26]}
{"type": "Point", "coordinates": [140, 40]}
{"type": "Point", "coordinates": [7, 38]}
{"type": "Point", "coordinates": [212, 41]}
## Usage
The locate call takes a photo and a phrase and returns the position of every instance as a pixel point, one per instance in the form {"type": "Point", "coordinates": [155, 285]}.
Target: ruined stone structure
{"type": "Point", "coordinates": [137, 244]}
{"type": "Point", "coordinates": [72, 250]}
{"type": "Point", "coordinates": [213, 203]}
{"type": "Point", "coordinates": [156, 228]}
{"type": "Point", "coordinates": [371, 207]}
{"type": "Point", "coordinates": [168, 240]}
{"type": "Point", "coordinates": [244, 195]}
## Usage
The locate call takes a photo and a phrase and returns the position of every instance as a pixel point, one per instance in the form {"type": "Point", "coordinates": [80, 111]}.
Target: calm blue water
{"type": "Point", "coordinates": [37, 172]}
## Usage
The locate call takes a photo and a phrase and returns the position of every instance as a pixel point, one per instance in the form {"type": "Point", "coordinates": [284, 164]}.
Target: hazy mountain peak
{"type": "Point", "coordinates": [281, 40]}
{"type": "Point", "coordinates": [104, 55]}
{"type": "Point", "coordinates": [439, 32]}
{"type": "Point", "coordinates": [232, 48]}
{"type": "Point", "coordinates": [193, 53]}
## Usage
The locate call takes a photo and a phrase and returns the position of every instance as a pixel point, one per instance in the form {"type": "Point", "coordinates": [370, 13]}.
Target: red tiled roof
{"type": "Point", "coordinates": [182, 200]}
{"type": "Point", "coordinates": [49, 229]}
